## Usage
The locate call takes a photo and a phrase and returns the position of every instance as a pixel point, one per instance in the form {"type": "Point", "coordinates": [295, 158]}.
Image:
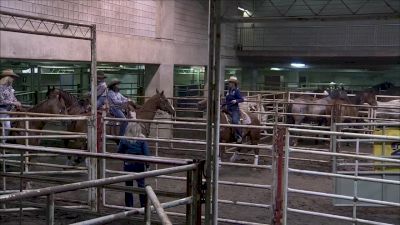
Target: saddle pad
{"type": "Point", "coordinates": [245, 118]}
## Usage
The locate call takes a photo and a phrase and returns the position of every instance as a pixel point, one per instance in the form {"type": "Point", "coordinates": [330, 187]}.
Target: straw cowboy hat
{"type": "Point", "coordinates": [233, 79]}
{"type": "Point", "coordinates": [101, 75]}
{"type": "Point", "coordinates": [113, 82]}
{"type": "Point", "coordinates": [8, 73]}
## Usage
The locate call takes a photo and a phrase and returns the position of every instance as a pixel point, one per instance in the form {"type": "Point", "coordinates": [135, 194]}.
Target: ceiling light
{"type": "Point", "coordinates": [276, 69]}
{"type": "Point", "coordinates": [298, 65]}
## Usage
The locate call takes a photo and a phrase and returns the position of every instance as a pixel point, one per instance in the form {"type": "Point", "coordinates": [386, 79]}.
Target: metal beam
{"type": "Point", "coordinates": [297, 18]}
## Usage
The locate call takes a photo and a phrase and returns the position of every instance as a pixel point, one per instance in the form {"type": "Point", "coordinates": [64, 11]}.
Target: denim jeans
{"type": "Point", "coordinates": [101, 101]}
{"type": "Point", "coordinates": [235, 114]}
{"type": "Point", "coordinates": [5, 124]}
{"type": "Point", "coordinates": [119, 114]}
{"type": "Point", "coordinates": [140, 183]}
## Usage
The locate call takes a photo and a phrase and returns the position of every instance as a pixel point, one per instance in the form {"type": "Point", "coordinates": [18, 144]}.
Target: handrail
{"type": "Point", "coordinates": [93, 183]}
{"type": "Point", "coordinates": [157, 205]}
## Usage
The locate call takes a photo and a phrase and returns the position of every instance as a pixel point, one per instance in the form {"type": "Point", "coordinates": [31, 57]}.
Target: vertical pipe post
{"type": "Point", "coordinates": [156, 166]}
{"type": "Point", "coordinates": [217, 99]}
{"type": "Point", "coordinates": [92, 129]}
{"type": "Point", "coordinates": [197, 194]}
{"type": "Point", "coordinates": [278, 171]}
{"type": "Point", "coordinates": [286, 177]}
{"type": "Point", "coordinates": [104, 150]}
{"type": "Point", "coordinates": [26, 158]}
{"type": "Point", "coordinates": [189, 192]}
{"type": "Point", "coordinates": [355, 197]}
{"type": "Point", "coordinates": [210, 115]}
{"type": "Point", "coordinates": [50, 209]}
{"type": "Point", "coordinates": [3, 165]}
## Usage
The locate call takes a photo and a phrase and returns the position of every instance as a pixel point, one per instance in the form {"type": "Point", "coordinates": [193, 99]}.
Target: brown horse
{"type": "Point", "coordinates": [53, 105]}
{"type": "Point", "coordinates": [227, 134]}
{"type": "Point", "coordinates": [148, 111]}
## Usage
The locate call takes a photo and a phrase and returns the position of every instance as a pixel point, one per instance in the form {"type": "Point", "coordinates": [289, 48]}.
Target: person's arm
{"type": "Point", "coordinates": [7, 98]}
{"type": "Point", "coordinates": [238, 96]}
{"type": "Point", "coordinates": [114, 98]}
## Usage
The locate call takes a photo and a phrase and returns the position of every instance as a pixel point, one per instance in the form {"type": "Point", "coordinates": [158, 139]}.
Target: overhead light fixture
{"type": "Point", "coordinates": [276, 69]}
{"type": "Point", "coordinates": [247, 12]}
{"type": "Point", "coordinates": [298, 65]}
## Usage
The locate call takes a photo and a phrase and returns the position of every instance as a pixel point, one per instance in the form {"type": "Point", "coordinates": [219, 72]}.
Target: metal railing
{"type": "Point", "coordinates": [343, 37]}
{"type": "Point", "coordinates": [356, 175]}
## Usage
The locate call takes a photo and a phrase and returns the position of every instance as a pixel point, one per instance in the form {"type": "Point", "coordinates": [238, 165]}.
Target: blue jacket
{"type": "Point", "coordinates": [233, 94]}
{"type": "Point", "coordinates": [134, 148]}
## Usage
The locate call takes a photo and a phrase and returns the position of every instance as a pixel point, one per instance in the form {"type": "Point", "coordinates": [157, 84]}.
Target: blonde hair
{"type": "Point", "coordinates": [133, 130]}
{"type": "Point", "coordinates": [7, 80]}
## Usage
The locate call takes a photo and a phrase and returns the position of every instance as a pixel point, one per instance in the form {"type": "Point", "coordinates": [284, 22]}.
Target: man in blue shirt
{"type": "Point", "coordinates": [117, 101]}
{"type": "Point", "coordinates": [232, 100]}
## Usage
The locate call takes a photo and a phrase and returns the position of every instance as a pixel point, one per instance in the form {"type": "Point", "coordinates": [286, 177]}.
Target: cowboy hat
{"type": "Point", "coordinates": [233, 79]}
{"type": "Point", "coordinates": [101, 75]}
{"type": "Point", "coordinates": [113, 82]}
{"type": "Point", "coordinates": [9, 73]}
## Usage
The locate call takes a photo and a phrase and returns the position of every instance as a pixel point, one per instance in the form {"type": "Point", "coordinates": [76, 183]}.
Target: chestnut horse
{"type": "Point", "coordinates": [53, 105]}
{"type": "Point", "coordinates": [227, 134]}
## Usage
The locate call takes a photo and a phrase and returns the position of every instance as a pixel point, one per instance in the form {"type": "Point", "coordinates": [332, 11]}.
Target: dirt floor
{"type": "Point", "coordinates": [255, 215]}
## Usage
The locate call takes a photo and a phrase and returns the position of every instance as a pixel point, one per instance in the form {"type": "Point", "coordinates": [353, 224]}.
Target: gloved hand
{"type": "Point", "coordinates": [234, 101]}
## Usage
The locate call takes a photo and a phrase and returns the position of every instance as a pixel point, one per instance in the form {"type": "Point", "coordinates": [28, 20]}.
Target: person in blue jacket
{"type": "Point", "coordinates": [232, 100]}
{"type": "Point", "coordinates": [134, 147]}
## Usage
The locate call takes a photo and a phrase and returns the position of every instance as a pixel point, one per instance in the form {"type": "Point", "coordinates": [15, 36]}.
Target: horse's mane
{"type": "Point", "coordinates": [68, 98]}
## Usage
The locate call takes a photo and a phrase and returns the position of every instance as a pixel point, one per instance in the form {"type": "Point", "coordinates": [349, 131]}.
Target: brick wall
{"type": "Point", "coordinates": [191, 22]}
{"type": "Point", "coordinates": [127, 17]}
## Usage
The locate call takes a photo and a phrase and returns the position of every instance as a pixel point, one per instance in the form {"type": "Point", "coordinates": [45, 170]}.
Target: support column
{"type": "Point", "coordinates": [160, 77]}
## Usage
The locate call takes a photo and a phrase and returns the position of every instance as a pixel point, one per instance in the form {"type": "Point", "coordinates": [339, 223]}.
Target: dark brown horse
{"type": "Point", "coordinates": [53, 105]}
{"type": "Point", "coordinates": [227, 134]}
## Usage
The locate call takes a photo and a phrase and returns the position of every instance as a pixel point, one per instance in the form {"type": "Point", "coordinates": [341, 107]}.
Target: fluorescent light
{"type": "Point", "coordinates": [298, 65]}
{"type": "Point", "coordinates": [275, 68]}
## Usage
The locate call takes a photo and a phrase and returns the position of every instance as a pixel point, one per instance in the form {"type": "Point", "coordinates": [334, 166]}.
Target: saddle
{"type": "Point", "coordinates": [244, 117]}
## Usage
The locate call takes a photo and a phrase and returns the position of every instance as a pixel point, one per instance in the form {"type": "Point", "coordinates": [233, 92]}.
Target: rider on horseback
{"type": "Point", "coordinates": [232, 100]}
{"type": "Point", "coordinates": [7, 97]}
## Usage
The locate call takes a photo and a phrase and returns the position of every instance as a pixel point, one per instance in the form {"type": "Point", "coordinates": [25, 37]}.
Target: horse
{"type": "Point", "coordinates": [320, 107]}
{"type": "Point", "coordinates": [52, 105]}
{"type": "Point", "coordinates": [148, 111]}
{"type": "Point", "coordinates": [388, 110]}
{"type": "Point", "coordinates": [227, 134]}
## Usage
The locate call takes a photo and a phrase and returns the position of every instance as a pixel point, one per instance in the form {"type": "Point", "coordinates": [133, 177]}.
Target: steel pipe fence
{"type": "Point", "coordinates": [355, 176]}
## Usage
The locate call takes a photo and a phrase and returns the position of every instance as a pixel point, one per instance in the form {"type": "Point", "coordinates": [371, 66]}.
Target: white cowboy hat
{"type": "Point", "coordinates": [233, 79]}
{"type": "Point", "coordinates": [8, 73]}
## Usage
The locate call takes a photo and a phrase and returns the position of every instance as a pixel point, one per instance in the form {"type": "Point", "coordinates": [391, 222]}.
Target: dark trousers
{"type": "Point", "coordinates": [235, 114]}
{"type": "Point", "coordinates": [140, 183]}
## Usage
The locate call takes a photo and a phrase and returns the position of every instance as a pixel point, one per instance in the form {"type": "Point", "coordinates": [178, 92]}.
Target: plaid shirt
{"type": "Point", "coordinates": [101, 89]}
{"type": "Point", "coordinates": [7, 96]}
{"type": "Point", "coordinates": [116, 98]}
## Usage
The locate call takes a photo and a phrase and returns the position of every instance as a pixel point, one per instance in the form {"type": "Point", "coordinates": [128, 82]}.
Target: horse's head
{"type": "Point", "coordinates": [368, 97]}
{"type": "Point", "coordinates": [163, 103]}
{"type": "Point", "coordinates": [52, 92]}
{"type": "Point", "coordinates": [202, 105]}
{"type": "Point", "coordinates": [56, 105]}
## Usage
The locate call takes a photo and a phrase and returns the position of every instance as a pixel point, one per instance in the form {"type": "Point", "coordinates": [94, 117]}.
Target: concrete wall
{"type": "Point", "coordinates": [158, 32]}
